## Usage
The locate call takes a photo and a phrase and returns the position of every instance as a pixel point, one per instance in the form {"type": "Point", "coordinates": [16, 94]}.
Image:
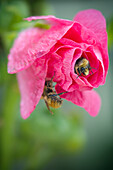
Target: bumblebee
{"type": "Point", "coordinates": [82, 66]}
{"type": "Point", "coordinates": [50, 96]}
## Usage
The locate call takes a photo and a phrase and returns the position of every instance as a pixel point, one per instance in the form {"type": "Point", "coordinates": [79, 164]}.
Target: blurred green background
{"type": "Point", "coordinates": [70, 139]}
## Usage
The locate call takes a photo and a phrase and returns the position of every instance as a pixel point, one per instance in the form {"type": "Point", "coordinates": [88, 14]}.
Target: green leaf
{"type": "Point", "coordinates": [41, 25]}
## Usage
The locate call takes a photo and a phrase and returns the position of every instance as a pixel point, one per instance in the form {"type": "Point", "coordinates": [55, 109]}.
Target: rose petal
{"type": "Point", "coordinates": [50, 19]}
{"type": "Point", "coordinates": [58, 29]}
{"type": "Point", "coordinates": [31, 84]}
{"type": "Point", "coordinates": [95, 21]}
{"type": "Point", "coordinates": [24, 52]}
{"type": "Point", "coordinates": [70, 42]}
{"type": "Point", "coordinates": [54, 67]}
{"type": "Point", "coordinates": [31, 44]}
{"type": "Point", "coordinates": [67, 56]}
{"type": "Point", "coordinates": [89, 100]}
{"type": "Point", "coordinates": [102, 69]}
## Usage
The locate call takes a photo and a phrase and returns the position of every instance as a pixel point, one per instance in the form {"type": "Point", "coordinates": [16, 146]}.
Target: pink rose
{"type": "Point", "coordinates": [37, 54]}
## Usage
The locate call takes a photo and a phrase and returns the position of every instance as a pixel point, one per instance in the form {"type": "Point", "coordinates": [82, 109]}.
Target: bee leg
{"type": "Point", "coordinates": [94, 68]}
{"type": "Point", "coordinates": [62, 93]}
{"type": "Point", "coordinates": [48, 107]}
{"type": "Point", "coordinates": [58, 94]}
{"type": "Point", "coordinates": [78, 76]}
{"type": "Point", "coordinates": [53, 77]}
{"type": "Point", "coordinates": [91, 71]}
{"type": "Point", "coordinates": [50, 83]}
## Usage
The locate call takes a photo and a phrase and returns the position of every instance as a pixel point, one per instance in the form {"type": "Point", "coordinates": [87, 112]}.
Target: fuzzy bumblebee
{"type": "Point", "coordinates": [50, 96]}
{"type": "Point", "coordinates": [82, 66]}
